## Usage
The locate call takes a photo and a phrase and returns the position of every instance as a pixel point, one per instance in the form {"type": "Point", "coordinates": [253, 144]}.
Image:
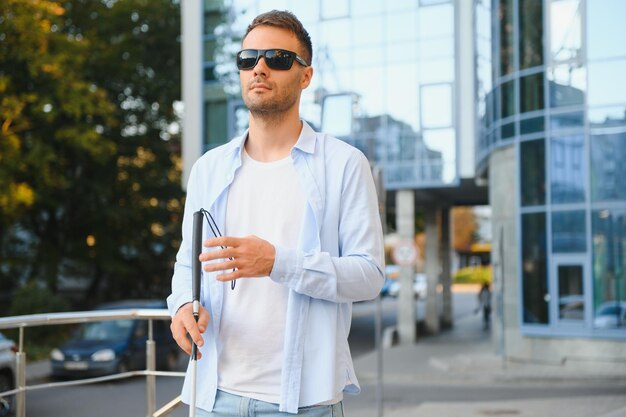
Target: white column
{"type": "Point", "coordinates": [432, 268]}
{"type": "Point", "coordinates": [405, 222]}
{"type": "Point", "coordinates": [192, 83]}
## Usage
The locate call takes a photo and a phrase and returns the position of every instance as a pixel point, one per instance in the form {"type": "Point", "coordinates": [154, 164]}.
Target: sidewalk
{"type": "Point", "coordinates": [456, 366]}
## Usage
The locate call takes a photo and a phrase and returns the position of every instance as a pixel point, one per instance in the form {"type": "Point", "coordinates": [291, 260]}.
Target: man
{"type": "Point", "coordinates": [303, 240]}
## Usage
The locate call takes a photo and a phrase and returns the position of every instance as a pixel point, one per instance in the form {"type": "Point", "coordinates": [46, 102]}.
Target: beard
{"type": "Point", "coordinates": [275, 106]}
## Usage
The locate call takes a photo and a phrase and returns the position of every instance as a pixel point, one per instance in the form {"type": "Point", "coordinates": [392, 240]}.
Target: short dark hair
{"type": "Point", "coordinates": [285, 20]}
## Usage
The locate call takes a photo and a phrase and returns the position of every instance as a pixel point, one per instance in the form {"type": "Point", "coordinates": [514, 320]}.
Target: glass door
{"type": "Point", "coordinates": [568, 279]}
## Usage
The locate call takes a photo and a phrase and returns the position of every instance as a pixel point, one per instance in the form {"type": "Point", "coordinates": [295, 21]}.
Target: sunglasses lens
{"type": "Point", "coordinates": [247, 58]}
{"type": "Point", "coordinates": [278, 59]}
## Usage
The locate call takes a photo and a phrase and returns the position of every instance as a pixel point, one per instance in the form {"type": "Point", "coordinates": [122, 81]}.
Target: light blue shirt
{"type": "Point", "coordinates": [339, 259]}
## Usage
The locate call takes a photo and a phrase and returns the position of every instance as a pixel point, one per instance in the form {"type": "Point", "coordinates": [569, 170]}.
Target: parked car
{"type": "Point", "coordinates": [114, 346]}
{"type": "Point", "coordinates": [610, 315]}
{"type": "Point", "coordinates": [391, 275]}
{"type": "Point", "coordinates": [420, 287]}
{"type": "Point", "coordinates": [7, 374]}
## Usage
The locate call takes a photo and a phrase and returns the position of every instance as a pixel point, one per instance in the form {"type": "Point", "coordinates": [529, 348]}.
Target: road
{"type": "Point", "coordinates": [127, 398]}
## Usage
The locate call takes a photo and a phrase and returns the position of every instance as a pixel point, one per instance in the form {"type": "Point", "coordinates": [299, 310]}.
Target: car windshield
{"type": "Point", "coordinates": [105, 330]}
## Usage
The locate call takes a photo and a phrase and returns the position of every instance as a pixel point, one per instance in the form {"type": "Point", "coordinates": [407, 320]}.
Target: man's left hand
{"type": "Point", "coordinates": [251, 257]}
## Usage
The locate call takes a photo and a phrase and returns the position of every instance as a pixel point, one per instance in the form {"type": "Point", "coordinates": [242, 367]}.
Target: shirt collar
{"type": "Point", "coordinates": [305, 143]}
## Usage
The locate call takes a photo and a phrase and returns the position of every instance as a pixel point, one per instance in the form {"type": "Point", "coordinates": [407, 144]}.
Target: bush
{"type": "Point", "coordinates": [473, 275]}
{"type": "Point", "coordinates": [33, 299]}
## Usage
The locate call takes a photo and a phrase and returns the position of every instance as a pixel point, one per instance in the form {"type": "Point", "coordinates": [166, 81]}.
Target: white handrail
{"type": "Point", "coordinates": [46, 319]}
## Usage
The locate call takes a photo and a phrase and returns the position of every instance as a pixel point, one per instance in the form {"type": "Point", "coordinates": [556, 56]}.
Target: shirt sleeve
{"type": "Point", "coordinates": [357, 273]}
{"type": "Point", "coordinates": [181, 280]}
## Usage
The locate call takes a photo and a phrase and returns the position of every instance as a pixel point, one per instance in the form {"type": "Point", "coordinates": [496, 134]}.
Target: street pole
{"type": "Point", "coordinates": [378, 322]}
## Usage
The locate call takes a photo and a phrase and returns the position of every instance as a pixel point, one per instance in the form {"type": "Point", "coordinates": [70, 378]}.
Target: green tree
{"type": "Point", "coordinates": [49, 143]}
{"type": "Point", "coordinates": [89, 172]}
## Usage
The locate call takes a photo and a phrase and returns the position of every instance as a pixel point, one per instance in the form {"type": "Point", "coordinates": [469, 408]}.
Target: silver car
{"type": "Point", "coordinates": [7, 374]}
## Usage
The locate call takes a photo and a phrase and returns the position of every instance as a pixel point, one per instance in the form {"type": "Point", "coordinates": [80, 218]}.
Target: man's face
{"type": "Point", "coordinates": [269, 91]}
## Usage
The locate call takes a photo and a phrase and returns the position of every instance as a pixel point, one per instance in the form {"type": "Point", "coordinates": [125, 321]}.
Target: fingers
{"type": "Point", "coordinates": [220, 266]}
{"type": "Point", "coordinates": [217, 254]}
{"type": "Point", "coordinates": [229, 276]}
{"type": "Point", "coordinates": [203, 319]}
{"type": "Point", "coordinates": [183, 324]}
{"type": "Point", "coordinates": [225, 241]}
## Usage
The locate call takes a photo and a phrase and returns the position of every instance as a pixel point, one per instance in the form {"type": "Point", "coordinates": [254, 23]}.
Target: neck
{"type": "Point", "coordinates": [272, 136]}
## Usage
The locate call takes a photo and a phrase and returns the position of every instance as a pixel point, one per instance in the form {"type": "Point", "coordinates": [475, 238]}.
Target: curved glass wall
{"type": "Point", "coordinates": [556, 93]}
{"type": "Point", "coordinates": [384, 79]}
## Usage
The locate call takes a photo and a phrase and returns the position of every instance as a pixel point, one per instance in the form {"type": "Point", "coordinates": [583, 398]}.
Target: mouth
{"type": "Point", "coordinates": [259, 86]}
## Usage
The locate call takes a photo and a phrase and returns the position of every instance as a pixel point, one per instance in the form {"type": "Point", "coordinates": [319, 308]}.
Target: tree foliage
{"type": "Point", "coordinates": [465, 228]}
{"type": "Point", "coordinates": [89, 169]}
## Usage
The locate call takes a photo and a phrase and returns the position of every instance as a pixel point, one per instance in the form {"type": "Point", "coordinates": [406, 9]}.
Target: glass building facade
{"type": "Point", "coordinates": [550, 84]}
{"type": "Point", "coordinates": [384, 80]}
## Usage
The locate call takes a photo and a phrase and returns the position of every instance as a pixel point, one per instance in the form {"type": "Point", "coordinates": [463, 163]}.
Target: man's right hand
{"type": "Point", "coordinates": [183, 323]}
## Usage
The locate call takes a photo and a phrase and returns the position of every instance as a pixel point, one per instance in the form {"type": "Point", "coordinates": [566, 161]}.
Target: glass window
{"type": "Point", "coordinates": [567, 120]}
{"type": "Point", "coordinates": [335, 34]}
{"type": "Point", "coordinates": [337, 115]}
{"type": "Point", "coordinates": [209, 50]}
{"type": "Point", "coordinates": [333, 9]}
{"type": "Point", "coordinates": [534, 277]}
{"type": "Point", "coordinates": [567, 86]}
{"type": "Point", "coordinates": [608, 228]}
{"type": "Point", "coordinates": [431, 2]}
{"type": "Point", "coordinates": [533, 125]}
{"type": "Point", "coordinates": [508, 99]}
{"type": "Point", "coordinates": [507, 131]}
{"type": "Point", "coordinates": [365, 31]}
{"type": "Point", "coordinates": [441, 148]}
{"type": "Point", "coordinates": [571, 295]}
{"type": "Point", "coordinates": [565, 30]}
{"type": "Point", "coordinates": [209, 73]}
{"type": "Point", "coordinates": [211, 21]}
{"type": "Point", "coordinates": [608, 167]}
{"type": "Point", "coordinates": [606, 82]}
{"type": "Point", "coordinates": [569, 231]}
{"type": "Point", "coordinates": [614, 116]}
{"type": "Point", "coordinates": [371, 94]}
{"type": "Point", "coordinates": [401, 26]}
{"type": "Point", "coordinates": [436, 105]}
{"type": "Point", "coordinates": [506, 37]}
{"type": "Point", "coordinates": [436, 70]}
{"type": "Point", "coordinates": [605, 25]}
{"type": "Point", "coordinates": [531, 33]}
{"type": "Point", "coordinates": [216, 123]}
{"type": "Point", "coordinates": [436, 21]}
{"type": "Point", "coordinates": [401, 94]}
{"type": "Point", "coordinates": [531, 92]}
{"type": "Point", "coordinates": [436, 48]}
{"type": "Point", "coordinates": [363, 8]}
{"type": "Point", "coordinates": [307, 11]}
{"type": "Point", "coordinates": [567, 169]}
{"type": "Point", "coordinates": [533, 173]}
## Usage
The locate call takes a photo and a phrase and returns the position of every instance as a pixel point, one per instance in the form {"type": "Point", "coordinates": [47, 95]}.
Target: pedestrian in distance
{"type": "Point", "coordinates": [302, 240]}
{"type": "Point", "coordinates": [484, 304]}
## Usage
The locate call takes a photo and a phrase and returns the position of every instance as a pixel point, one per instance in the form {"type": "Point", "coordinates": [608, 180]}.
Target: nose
{"type": "Point", "coordinates": [260, 68]}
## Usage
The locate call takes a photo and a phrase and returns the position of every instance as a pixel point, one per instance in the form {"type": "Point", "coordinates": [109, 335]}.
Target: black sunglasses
{"type": "Point", "coordinates": [278, 59]}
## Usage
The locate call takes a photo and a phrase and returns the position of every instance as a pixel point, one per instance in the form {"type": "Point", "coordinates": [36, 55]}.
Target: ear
{"type": "Point", "coordinates": [306, 76]}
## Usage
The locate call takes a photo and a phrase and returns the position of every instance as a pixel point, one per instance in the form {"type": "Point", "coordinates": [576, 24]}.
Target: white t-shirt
{"type": "Point", "coordinates": [264, 200]}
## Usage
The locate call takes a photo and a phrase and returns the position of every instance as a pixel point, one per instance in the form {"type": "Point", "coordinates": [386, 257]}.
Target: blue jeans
{"type": "Point", "coordinates": [229, 405]}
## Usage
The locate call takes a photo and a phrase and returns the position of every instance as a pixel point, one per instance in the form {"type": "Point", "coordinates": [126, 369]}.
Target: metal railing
{"type": "Point", "coordinates": [21, 322]}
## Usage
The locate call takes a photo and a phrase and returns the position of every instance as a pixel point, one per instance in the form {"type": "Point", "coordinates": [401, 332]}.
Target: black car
{"type": "Point", "coordinates": [7, 374]}
{"type": "Point", "coordinates": [113, 346]}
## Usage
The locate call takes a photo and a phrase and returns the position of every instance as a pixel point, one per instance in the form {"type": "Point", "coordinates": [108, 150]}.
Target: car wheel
{"type": "Point", "coordinates": [122, 367]}
{"type": "Point", "coordinates": [6, 403]}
